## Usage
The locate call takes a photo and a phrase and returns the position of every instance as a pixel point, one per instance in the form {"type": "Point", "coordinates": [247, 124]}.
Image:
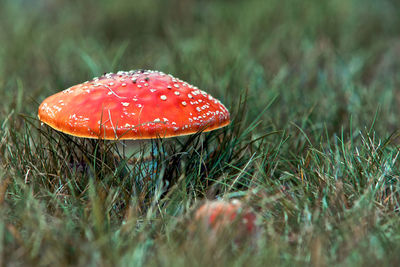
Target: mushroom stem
{"type": "Point", "coordinates": [139, 150]}
{"type": "Point", "coordinates": [128, 148]}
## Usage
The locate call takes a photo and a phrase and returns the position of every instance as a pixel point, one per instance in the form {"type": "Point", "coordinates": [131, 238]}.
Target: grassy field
{"type": "Point", "coordinates": [314, 91]}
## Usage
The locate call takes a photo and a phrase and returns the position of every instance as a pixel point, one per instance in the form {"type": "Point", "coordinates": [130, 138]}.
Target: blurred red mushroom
{"type": "Point", "coordinates": [221, 215]}
{"type": "Point", "coordinates": [140, 104]}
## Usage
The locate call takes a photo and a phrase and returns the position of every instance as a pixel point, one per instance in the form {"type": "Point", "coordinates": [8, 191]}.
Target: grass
{"type": "Point", "coordinates": [312, 87]}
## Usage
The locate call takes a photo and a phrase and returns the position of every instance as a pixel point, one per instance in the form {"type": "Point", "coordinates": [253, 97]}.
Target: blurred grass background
{"type": "Point", "coordinates": [329, 69]}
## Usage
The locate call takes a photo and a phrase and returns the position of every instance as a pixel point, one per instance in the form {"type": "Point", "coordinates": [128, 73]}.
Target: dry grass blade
{"type": "Point", "coordinates": [4, 183]}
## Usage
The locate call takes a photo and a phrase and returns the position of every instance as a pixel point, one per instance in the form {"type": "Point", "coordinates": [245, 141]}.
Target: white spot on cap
{"type": "Point", "coordinates": [176, 85]}
{"type": "Point", "coordinates": [125, 104]}
{"type": "Point", "coordinates": [157, 120]}
{"type": "Point", "coordinates": [184, 103]}
{"type": "Point", "coordinates": [190, 96]}
{"type": "Point", "coordinates": [163, 97]}
{"type": "Point", "coordinates": [177, 93]}
{"type": "Point", "coordinates": [123, 85]}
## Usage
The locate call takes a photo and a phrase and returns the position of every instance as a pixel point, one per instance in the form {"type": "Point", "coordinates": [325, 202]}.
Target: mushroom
{"type": "Point", "coordinates": [219, 215]}
{"type": "Point", "coordinates": [140, 104]}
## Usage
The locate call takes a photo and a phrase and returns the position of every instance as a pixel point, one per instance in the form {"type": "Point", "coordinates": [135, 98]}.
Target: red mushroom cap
{"type": "Point", "coordinates": [133, 105]}
{"type": "Point", "coordinates": [221, 214]}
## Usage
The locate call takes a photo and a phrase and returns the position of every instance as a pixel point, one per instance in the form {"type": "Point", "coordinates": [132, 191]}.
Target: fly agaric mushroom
{"type": "Point", "coordinates": [140, 104]}
{"type": "Point", "coordinates": [219, 215]}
